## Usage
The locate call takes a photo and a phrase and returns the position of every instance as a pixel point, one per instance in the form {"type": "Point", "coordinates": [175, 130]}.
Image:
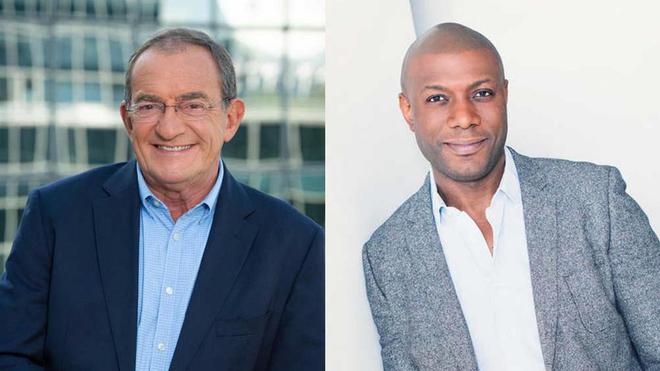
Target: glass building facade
{"type": "Point", "coordinates": [62, 69]}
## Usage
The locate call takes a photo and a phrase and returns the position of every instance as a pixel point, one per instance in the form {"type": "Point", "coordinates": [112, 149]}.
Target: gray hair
{"type": "Point", "coordinates": [171, 39]}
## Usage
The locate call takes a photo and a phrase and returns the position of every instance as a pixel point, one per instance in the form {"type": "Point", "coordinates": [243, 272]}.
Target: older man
{"type": "Point", "coordinates": [501, 261]}
{"type": "Point", "coordinates": [165, 262]}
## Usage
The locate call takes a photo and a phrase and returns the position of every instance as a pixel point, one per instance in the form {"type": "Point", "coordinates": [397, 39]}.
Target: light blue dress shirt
{"type": "Point", "coordinates": [170, 255]}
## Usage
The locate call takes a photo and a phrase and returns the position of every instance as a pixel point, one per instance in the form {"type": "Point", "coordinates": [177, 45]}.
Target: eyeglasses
{"type": "Point", "coordinates": [146, 111]}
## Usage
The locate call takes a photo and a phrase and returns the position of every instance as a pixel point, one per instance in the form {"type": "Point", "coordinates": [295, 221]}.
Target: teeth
{"type": "Point", "coordinates": [174, 148]}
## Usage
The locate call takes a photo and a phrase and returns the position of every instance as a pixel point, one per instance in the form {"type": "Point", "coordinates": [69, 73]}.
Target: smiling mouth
{"type": "Point", "coordinates": [174, 148]}
{"type": "Point", "coordinates": [466, 147]}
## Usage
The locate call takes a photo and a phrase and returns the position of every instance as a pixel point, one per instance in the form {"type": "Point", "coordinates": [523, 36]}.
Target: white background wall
{"type": "Point", "coordinates": [584, 83]}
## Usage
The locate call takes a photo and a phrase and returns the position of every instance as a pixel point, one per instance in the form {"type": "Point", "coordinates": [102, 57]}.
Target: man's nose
{"type": "Point", "coordinates": [463, 114]}
{"type": "Point", "coordinates": [170, 123]}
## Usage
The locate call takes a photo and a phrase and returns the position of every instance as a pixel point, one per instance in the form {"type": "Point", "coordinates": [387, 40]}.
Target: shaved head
{"type": "Point", "coordinates": [448, 38]}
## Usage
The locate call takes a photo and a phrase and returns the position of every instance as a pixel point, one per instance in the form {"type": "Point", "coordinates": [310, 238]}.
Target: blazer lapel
{"type": "Point", "coordinates": [451, 334]}
{"type": "Point", "coordinates": [539, 208]}
{"type": "Point", "coordinates": [116, 222]}
{"type": "Point", "coordinates": [227, 247]}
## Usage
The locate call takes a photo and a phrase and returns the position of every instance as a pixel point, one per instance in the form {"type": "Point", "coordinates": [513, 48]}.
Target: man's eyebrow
{"type": "Point", "coordinates": [147, 97]}
{"type": "Point", "coordinates": [193, 95]}
{"type": "Point", "coordinates": [470, 87]}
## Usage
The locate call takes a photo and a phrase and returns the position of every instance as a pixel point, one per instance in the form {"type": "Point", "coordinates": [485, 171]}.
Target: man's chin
{"type": "Point", "coordinates": [468, 177]}
{"type": "Point", "coordinates": [171, 179]}
{"type": "Point", "coordinates": [464, 174]}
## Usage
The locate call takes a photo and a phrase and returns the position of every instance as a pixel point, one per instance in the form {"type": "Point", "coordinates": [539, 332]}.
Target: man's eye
{"type": "Point", "coordinates": [486, 93]}
{"type": "Point", "coordinates": [193, 107]}
{"type": "Point", "coordinates": [436, 98]}
{"type": "Point", "coordinates": [147, 107]}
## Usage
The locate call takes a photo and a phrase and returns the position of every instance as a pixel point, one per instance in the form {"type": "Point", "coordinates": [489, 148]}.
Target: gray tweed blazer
{"type": "Point", "coordinates": [595, 268]}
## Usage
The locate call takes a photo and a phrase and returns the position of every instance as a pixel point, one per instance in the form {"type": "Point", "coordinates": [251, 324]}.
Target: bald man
{"type": "Point", "coordinates": [501, 261]}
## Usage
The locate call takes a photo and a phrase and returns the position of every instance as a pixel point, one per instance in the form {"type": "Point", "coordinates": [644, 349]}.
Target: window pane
{"type": "Point", "coordinates": [117, 8]}
{"type": "Point", "coordinates": [39, 47]}
{"type": "Point", "coordinates": [148, 11]}
{"type": "Point", "coordinates": [311, 180]}
{"type": "Point", "coordinates": [253, 12]}
{"type": "Point", "coordinates": [92, 92]}
{"type": "Point", "coordinates": [305, 79]}
{"type": "Point", "coordinates": [19, 216]}
{"type": "Point", "coordinates": [116, 56]}
{"type": "Point", "coordinates": [237, 147]}
{"type": "Point", "coordinates": [24, 53]}
{"type": "Point", "coordinates": [3, 51]}
{"type": "Point", "coordinates": [71, 136]}
{"type": "Point", "coordinates": [4, 91]}
{"type": "Point", "coordinates": [23, 188]}
{"type": "Point", "coordinates": [316, 212]}
{"type": "Point", "coordinates": [42, 6]}
{"type": "Point", "coordinates": [312, 143]}
{"type": "Point", "coordinates": [29, 90]}
{"type": "Point", "coordinates": [195, 11]}
{"type": "Point", "coordinates": [28, 138]}
{"type": "Point", "coordinates": [19, 6]}
{"type": "Point", "coordinates": [307, 13]}
{"type": "Point", "coordinates": [3, 224]}
{"type": "Point", "coordinates": [91, 10]}
{"type": "Point", "coordinates": [269, 141]}
{"type": "Point", "coordinates": [49, 90]}
{"type": "Point", "coordinates": [117, 93]}
{"type": "Point", "coordinates": [91, 57]}
{"type": "Point", "coordinates": [63, 53]}
{"type": "Point", "coordinates": [64, 92]}
{"type": "Point", "coordinates": [258, 59]}
{"type": "Point", "coordinates": [4, 144]}
{"type": "Point", "coordinates": [101, 145]}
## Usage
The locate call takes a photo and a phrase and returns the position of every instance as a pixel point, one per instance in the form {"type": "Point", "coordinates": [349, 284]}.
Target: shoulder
{"type": "Point", "coordinates": [85, 186]}
{"type": "Point", "coordinates": [278, 213]}
{"type": "Point", "coordinates": [572, 171]}
{"type": "Point", "coordinates": [577, 179]}
{"type": "Point", "coordinates": [395, 227]}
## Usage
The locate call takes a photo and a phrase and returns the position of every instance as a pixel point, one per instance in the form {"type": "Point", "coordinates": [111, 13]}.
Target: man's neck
{"type": "Point", "coordinates": [471, 197]}
{"type": "Point", "coordinates": [180, 198]}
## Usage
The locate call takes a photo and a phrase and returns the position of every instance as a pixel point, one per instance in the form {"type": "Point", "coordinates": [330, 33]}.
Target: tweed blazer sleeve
{"type": "Point", "coordinates": [390, 326]}
{"type": "Point", "coordinates": [634, 255]}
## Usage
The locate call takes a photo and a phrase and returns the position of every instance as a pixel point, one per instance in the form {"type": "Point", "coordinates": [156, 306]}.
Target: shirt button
{"type": "Point", "coordinates": [169, 290]}
{"type": "Point", "coordinates": [155, 203]}
{"type": "Point", "coordinates": [161, 347]}
{"type": "Point", "coordinates": [176, 237]}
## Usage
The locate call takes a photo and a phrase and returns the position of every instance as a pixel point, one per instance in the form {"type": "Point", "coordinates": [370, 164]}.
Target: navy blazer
{"type": "Point", "coordinates": [68, 298]}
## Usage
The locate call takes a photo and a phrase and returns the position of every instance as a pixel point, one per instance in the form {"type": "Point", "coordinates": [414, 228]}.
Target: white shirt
{"type": "Point", "coordinates": [495, 292]}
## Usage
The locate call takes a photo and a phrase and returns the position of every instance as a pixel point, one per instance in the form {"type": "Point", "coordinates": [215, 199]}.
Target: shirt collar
{"type": "Point", "coordinates": [209, 201]}
{"type": "Point", "coordinates": [509, 184]}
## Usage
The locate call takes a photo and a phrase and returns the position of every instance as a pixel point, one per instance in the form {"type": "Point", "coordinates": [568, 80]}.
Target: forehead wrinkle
{"type": "Point", "coordinates": [140, 96]}
{"type": "Point", "coordinates": [435, 87]}
{"type": "Point", "coordinates": [193, 95]}
{"type": "Point", "coordinates": [147, 72]}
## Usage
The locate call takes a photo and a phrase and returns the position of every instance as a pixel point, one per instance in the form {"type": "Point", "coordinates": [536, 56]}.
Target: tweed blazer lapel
{"type": "Point", "coordinates": [540, 212]}
{"type": "Point", "coordinates": [446, 328]}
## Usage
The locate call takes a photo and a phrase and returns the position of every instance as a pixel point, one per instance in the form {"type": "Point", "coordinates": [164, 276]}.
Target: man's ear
{"type": "Point", "coordinates": [406, 111]}
{"type": "Point", "coordinates": [125, 117]}
{"type": "Point", "coordinates": [505, 88]}
{"type": "Point", "coordinates": [235, 112]}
